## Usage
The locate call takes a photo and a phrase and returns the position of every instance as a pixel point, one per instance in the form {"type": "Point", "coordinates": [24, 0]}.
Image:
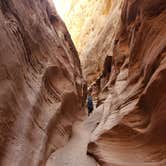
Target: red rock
{"type": "Point", "coordinates": [41, 84]}
{"type": "Point", "coordinates": [132, 130]}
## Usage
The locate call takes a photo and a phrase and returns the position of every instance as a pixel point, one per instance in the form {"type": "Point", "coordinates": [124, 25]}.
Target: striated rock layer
{"type": "Point", "coordinates": [41, 85]}
{"type": "Point", "coordinates": [132, 128]}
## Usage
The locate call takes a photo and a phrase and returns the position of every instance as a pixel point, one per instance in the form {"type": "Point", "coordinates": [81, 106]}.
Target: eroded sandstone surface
{"type": "Point", "coordinates": [132, 128]}
{"type": "Point", "coordinates": [100, 44]}
{"type": "Point", "coordinates": [41, 84]}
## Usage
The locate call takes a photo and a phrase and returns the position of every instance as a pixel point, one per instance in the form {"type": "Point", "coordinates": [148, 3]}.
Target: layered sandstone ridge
{"type": "Point", "coordinates": [41, 85]}
{"type": "Point", "coordinates": [131, 131]}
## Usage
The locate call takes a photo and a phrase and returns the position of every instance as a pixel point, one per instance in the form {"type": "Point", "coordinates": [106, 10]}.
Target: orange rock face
{"type": "Point", "coordinates": [41, 85]}
{"type": "Point", "coordinates": [132, 129]}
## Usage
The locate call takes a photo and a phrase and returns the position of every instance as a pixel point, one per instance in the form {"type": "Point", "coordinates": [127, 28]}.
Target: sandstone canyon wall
{"type": "Point", "coordinates": [41, 84]}
{"type": "Point", "coordinates": [100, 43]}
{"type": "Point", "coordinates": [42, 89]}
{"type": "Point", "coordinates": [93, 25]}
{"type": "Point", "coordinates": [131, 131]}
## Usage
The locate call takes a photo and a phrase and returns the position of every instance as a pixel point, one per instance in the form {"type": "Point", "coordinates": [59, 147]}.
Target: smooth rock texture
{"type": "Point", "coordinates": [132, 128]}
{"type": "Point", "coordinates": [75, 152]}
{"type": "Point", "coordinates": [41, 84]}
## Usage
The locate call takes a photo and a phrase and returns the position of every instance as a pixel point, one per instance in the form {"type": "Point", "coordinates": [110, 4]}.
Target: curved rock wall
{"type": "Point", "coordinates": [40, 80]}
{"type": "Point", "coordinates": [132, 128]}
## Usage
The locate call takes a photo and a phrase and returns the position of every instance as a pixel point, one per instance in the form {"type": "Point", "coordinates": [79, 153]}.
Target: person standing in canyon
{"type": "Point", "coordinates": [89, 103]}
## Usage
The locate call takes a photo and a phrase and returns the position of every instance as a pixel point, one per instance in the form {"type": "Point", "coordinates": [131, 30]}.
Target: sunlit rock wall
{"type": "Point", "coordinates": [84, 18]}
{"type": "Point", "coordinates": [100, 43]}
{"type": "Point", "coordinates": [41, 85]}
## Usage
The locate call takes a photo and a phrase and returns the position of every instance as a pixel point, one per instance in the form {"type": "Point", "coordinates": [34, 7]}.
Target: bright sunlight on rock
{"type": "Point", "coordinates": [83, 18]}
{"type": "Point", "coordinates": [89, 22]}
{"type": "Point", "coordinates": [82, 83]}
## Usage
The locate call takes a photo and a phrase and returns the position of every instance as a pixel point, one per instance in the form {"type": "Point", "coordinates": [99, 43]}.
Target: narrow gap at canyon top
{"type": "Point", "coordinates": [87, 21]}
{"type": "Point", "coordinates": [84, 19]}
{"type": "Point", "coordinates": [63, 8]}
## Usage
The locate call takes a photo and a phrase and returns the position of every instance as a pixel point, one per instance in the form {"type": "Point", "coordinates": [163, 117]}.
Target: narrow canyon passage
{"type": "Point", "coordinates": [111, 50]}
{"type": "Point", "coordinates": [75, 152]}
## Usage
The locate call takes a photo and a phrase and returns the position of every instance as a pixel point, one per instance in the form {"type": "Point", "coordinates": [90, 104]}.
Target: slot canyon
{"type": "Point", "coordinates": [54, 53]}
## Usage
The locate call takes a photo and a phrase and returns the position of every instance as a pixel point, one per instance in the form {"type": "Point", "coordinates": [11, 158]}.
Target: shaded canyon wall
{"type": "Point", "coordinates": [41, 84]}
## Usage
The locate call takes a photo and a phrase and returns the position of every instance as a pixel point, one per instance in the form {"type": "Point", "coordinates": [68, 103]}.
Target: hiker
{"type": "Point", "coordinates": [89, 104]}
